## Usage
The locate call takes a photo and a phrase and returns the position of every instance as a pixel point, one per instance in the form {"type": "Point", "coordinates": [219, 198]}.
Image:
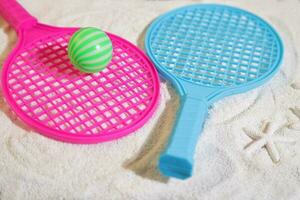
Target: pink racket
{"type": "Point", "coordinates": [54, 98]}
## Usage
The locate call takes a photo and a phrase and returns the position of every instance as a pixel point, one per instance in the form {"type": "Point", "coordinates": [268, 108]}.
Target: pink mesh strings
{"type": "Point", "coordinates": [63, 103]}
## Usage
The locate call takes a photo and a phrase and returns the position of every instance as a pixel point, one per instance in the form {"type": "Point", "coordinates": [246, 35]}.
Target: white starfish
{"type": "Point", "coordinates": [267, 138]}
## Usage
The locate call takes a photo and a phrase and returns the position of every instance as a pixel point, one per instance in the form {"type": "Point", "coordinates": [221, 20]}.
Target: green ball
{"type": "Point", "coordinates": [90, 50]}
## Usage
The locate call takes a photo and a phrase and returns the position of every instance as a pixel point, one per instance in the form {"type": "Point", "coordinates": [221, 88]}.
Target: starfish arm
{"type": "Point", "coordinates": [252, 134]}
{"type": "Point", "coordinates": [264, 126]}
{"type": "Point", "coordinates": [291, 117]}
{"type": "Point", "coordinates": [256, 146]}
{"type": "Point", "coordinates": [273, 152]}
{"type": "Point", "coordinates": [272, 128]}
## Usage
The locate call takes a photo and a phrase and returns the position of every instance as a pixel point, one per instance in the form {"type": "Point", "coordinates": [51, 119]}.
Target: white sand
{"type": "Point", "coordinates": [35, 167]}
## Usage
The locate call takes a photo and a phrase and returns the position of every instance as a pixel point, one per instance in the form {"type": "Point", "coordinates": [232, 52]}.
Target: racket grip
{"type": "Point", "coordinates": [178, 158]}
{"type": "Point", "coordinates": [16, 15]}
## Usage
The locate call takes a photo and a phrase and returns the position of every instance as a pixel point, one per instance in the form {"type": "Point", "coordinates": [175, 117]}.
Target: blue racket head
{"type": "Point", "coordinates": [211, 51]}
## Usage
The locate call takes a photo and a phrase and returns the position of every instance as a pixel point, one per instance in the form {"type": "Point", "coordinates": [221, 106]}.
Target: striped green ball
{"type": "Point", "coordinates": [90, 50]}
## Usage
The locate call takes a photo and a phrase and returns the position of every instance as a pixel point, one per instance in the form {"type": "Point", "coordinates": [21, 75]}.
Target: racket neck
{"type": "Point", "coordinates": [16, 15]}
{"type": "Point", "coordinates": [195, 91]}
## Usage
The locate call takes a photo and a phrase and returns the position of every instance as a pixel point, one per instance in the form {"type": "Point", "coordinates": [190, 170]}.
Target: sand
{"type": "Point", "coordinates": [35, 167]}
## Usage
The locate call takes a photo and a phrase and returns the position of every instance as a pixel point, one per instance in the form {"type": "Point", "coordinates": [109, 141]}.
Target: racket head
{"type": "Point", "coordinates": [50, 95]}
{"type": "Point", "coordinates": [211, 51]}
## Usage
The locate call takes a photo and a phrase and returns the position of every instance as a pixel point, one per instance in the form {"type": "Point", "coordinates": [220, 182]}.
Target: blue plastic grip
{"type": "Point", "coordinates": [178, 158]}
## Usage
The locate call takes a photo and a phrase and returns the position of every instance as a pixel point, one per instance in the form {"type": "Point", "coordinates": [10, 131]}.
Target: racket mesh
{"type": "Point", "coordinates": [215, 46]}
{"type": "Point", "coordinates": [48, 89]}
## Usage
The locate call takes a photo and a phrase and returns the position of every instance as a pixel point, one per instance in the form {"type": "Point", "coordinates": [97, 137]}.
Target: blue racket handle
{"type": "Point", "coordinates": [178, 159]}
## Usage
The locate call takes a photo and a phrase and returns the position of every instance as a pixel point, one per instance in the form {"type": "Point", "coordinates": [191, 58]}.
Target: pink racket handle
{"type": "Point", "coordinates": [16, 15]}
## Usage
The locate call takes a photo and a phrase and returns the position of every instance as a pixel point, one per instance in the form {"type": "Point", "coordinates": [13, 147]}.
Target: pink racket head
{"type": "Point", "coordinates": [53, 97]}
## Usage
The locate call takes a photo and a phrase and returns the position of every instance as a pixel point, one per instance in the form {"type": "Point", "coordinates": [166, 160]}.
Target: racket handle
{"type": "Point", "coordinates": [16, 15]}
{"type": "Point", "coordinates": [178, 159]}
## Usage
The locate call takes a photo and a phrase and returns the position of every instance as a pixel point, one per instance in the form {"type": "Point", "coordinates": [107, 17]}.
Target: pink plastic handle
{"type": "Point", "coordinates": [16, 15]}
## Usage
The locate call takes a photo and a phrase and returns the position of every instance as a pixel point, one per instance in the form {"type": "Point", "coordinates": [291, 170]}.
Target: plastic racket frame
{"type": "Point", "coordinates": [177, 159]}
{"type": "Point", "coordinates": [30, 31]}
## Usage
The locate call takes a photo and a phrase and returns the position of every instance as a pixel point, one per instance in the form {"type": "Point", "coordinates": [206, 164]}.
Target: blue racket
{"type": "Point", "coordinates": [208, 52]}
